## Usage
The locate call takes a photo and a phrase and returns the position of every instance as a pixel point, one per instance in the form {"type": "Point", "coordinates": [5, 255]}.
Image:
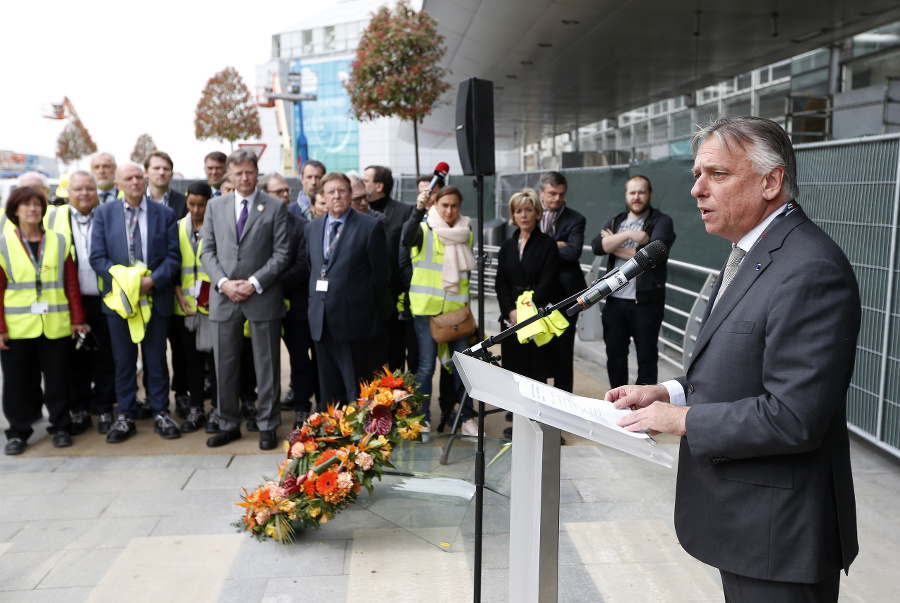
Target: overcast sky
{"type": "Point", "coordinates": [128, 68]}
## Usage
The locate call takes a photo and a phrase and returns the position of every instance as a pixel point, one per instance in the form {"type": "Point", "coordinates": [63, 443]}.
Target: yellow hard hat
{"type": "Point", "coordinates": [62, 189]}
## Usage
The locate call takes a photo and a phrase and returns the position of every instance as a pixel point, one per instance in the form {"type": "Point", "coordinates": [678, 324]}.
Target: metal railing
{"type": "Point", "coordinates": [667, 343]}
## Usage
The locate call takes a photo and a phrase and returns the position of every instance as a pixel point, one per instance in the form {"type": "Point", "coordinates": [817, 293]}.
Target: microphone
{"type": "Point", "coordinates": [440, 172]}
{"type": "Point", "coordinates": [645, 259]}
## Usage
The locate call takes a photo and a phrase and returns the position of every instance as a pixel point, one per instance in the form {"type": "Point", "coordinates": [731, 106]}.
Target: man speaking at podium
{"type": "Point", "coordinates": [764, 491]}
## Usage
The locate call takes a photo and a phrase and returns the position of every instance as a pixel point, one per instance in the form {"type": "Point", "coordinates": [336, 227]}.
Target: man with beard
{"type": "Point", "coordinates": [636, 310]}
{"type": "Point", "coordinates": [103, 167]}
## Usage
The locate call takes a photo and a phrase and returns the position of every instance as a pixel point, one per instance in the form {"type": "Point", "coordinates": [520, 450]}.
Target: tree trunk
{"type": "Point", "coordinates": [416, 141]}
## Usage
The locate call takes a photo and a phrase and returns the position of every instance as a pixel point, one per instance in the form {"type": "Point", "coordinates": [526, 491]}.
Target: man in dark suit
{"type": "Point", "coordinates": [159, 169]}
{"type": "Point", "coordinates": [214, 167]}
{"type": "Point", "coordinates": [125, 233]}
{"type": "Point", "coordinates": [566, 226]}
{"type": "Point", "coordinates": [764, 490]}
{"type": "Point", "coordinates": [636, 311]}
{"type": "Point", "coordinates": [379, 183]}
{"type": "Point", "coordinates": [348, 258]}
{"type": "Point", "coordinates": [245, 249]}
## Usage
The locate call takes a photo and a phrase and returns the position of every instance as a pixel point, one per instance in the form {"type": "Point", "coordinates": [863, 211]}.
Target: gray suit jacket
{"type": "Point", "coordinates": [262, 252]}
{"type": "Point", "coordinates": [764, 483]}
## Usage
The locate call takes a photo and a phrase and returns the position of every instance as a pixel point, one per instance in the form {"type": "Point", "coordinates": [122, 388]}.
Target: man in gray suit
{"type": "Point", "coordinates": [245, 249]}
{"type": "Point", "coordinates": [764, 490]}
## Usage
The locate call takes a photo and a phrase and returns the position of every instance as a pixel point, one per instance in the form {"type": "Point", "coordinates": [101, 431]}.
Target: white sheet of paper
{"type": "Point", "coordinates": [592, 409]}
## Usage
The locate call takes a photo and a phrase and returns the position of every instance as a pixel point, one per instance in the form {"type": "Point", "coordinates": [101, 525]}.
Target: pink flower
{"type": "Point", "coordinates": [262, 516]}
{"type": "Point", "coordinates": [364, 460]}
{"type": "Point", "coordinates": [298, 450]}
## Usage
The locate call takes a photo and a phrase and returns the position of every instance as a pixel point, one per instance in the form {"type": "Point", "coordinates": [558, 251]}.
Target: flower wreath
{"type": "Point", "coordinates": [332, 456]}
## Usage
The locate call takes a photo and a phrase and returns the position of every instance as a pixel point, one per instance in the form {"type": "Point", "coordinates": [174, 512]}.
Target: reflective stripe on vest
{"type": "Point", "coordinates": [188, 260]}
{"type": "Point", "coordinates": [21, 292]}
{"type": "Point", "coordinates": [427, 296]}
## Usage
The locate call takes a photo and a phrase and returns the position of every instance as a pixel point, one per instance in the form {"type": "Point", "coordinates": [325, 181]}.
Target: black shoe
{"type": "Point", "coordinates": [212, 421]}
{"type": "Point", "coordinates": [251, 424]}
{"type": "Point", "coordinates": [143, 409]}
{"type": "Point", "coordinates": [223, 437]}
{"type": "Point", "coordinates": [14, 446]}
{"type": "Point", "coordinates": [166, 427]}
{"type": "Point", "coordinates": [104, 421]}
{"type": "Point", "coordinates": [61, 439]}
{"type": "Point", "coordinates": [195, 420]}
{"type": "Point", "coordinates": [300, 418]}
{"type": "Point", "coordinates": [509, 415]}
{"type": "Point", "coordinates": [288, 402]}
{"type": "Point", "coordinates": [507, 433]}
{"type": "Point", "coordinates": [182, 405]}
{"type": "Point", "coordinates": [122, 429]}
{"type": "Point", "coordinates": [267, 440]}
{"type": "Point", "coordinates": [81, 420]}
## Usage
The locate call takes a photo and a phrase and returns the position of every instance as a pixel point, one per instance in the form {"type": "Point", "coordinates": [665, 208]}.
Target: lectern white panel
{"type": "Point", "coordinates": [500, 387]}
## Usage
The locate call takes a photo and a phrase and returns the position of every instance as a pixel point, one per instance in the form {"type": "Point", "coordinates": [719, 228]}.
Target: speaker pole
{"type": "Point", "coordinates": [479, 450]}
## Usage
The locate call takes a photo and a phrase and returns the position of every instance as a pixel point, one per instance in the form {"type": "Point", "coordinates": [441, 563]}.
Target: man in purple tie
{"type": "Point", "coordinates": [245, 249]}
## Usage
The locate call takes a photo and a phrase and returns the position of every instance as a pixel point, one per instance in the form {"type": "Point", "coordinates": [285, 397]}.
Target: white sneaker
{"type": "Point", "coordinates": [425, 427]}
{"type": "Point", "coordinates": [469, 428]}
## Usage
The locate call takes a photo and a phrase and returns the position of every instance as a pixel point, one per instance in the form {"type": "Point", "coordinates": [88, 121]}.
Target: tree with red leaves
{"type": "Point", "coordinates": [74, 142]}
{"type": "Point", "coordinates": [142, 148]}
{"type": "Point", "coordinates": [397, 72]}
{"type": "Point", "coordinates": [226, 110]}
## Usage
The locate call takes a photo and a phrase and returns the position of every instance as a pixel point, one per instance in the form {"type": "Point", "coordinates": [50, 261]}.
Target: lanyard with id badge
{"type": "Point", "coordinates": [40, 306]}
{"type": "Point", "coordinates": [331, 244]}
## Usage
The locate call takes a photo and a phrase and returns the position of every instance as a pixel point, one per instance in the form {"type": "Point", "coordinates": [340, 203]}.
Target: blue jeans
{"type": "Point", "coordinates": [428, 355]}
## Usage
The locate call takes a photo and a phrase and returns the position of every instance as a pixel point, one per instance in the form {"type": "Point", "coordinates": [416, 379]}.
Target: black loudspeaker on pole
{"type": "Point", "coordinates": [475, 126]}
{"type": "Point", "coordinates": [475, 143]}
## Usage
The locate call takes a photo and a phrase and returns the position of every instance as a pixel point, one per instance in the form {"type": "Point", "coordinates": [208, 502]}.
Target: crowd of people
{"type": "Point", "coordinates": [349, 278]}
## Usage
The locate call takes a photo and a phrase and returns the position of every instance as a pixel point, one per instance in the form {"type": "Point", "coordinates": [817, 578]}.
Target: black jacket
{"type": "Point", "coordinates": [651, 285]}
{"type": "Point", "coordinates": [295, 278]}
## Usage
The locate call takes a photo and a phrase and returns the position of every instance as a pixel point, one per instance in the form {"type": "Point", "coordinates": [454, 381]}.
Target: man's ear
{"type": "Point", "coordinates": [772, 183]}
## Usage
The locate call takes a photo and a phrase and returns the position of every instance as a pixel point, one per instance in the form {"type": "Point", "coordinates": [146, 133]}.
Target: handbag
{"type": "Point", "coordinates": [451, 326]}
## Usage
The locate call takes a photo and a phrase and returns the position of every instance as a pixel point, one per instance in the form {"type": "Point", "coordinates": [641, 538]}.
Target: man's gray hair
{"type": "Point", "coordinates": [263, 184]}
{"type": "Point", "coordinates": [242, 156]}
{"type": "Point", "coordinates": [82, 173]}
{"type": "Point", "coordinates": [766, 144]}
{"type": "Point", "coordinates": [101, 154]}
{"type": "Point", "coordinates": [44, 182]}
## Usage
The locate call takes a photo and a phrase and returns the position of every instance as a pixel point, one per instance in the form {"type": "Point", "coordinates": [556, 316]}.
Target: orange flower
{"type": "Point", "coordinates": [403, 411]}
{"type": "Point", "coordinates": [366, 390]}
{"type": "Point", "coordinates": [384, 397]}
{"type": "Point", "coordinates": [315, 420]}
{"type": "Point", "coordinates": [326, 482]}
{"type": "Point", "coordinates": [389, 380]}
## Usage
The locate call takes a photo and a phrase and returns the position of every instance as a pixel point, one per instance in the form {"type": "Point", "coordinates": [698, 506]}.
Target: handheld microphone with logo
{"type": "Point", "coordinates": [645, 259]}
{"type": "Point", "coordinates": [440, 173]}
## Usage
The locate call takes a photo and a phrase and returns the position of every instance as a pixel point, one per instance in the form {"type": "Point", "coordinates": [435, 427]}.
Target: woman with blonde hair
{"type": "Point", "coordinates": [527, 261]}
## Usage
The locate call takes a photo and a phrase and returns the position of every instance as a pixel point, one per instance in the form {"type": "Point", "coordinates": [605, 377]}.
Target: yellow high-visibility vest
{"type": "Point", "coordinates": [125, 298]}
{"type": "Point", "coordinates": [191, 268]}
{"type": "Point", "coordinates": [427, 296]}
{"type": "Point", "coordinates": [21, 288]}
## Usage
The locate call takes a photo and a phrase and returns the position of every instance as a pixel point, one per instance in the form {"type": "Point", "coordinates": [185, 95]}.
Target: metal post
{"type": "Point", "coordinates": [479, 450]}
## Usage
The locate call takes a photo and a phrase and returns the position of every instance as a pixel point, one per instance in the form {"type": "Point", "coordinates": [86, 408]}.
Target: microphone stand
{"type": "Point", "coordinates": [480, 350]}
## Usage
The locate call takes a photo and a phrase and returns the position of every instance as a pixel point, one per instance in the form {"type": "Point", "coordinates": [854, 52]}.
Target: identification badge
{"type": "Point", "coordinates": [322, 284]}
{"type": "Point", "coordinates": [40, 307]}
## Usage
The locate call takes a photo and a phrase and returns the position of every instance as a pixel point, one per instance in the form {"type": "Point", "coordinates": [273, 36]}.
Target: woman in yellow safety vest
{"type": "Point", "coordinates": [192, 310]}
{"type": "Point", "coordinates": [441, 252]}
{"type": "Point", "coordinates": [41, 307]}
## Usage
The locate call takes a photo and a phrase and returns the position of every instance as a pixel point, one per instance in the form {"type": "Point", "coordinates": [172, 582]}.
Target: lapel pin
{"type": "Point", "coordinates": [261, 207]}
{"type": "Point", "coordinates": [758, 266]}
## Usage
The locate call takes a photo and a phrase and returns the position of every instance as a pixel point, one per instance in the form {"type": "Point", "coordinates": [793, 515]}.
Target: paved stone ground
{"type": "Point", "coordinates": [157, 527]}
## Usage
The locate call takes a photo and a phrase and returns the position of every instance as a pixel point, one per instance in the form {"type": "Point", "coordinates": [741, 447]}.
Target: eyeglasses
{"type": "Point", "coordinates": [359, 198]}
{"type": "Point", "coordinates": [280, 191]}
